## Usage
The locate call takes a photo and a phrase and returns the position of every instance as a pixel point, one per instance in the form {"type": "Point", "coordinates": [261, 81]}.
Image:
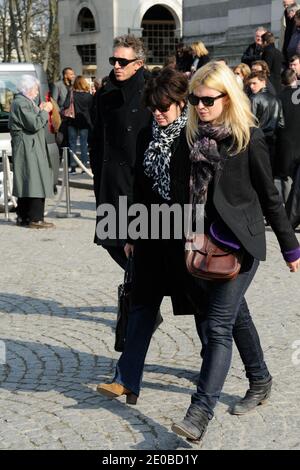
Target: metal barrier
{"type": "Point", "coordinates": [68, 214]}
{"type": "Point", "coordinates": [5, 165]}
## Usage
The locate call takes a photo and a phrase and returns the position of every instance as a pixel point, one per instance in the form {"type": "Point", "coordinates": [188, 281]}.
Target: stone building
{"type": "Point", "coordinates": [87, 29]}
{"type": "Point", "coordinates": [227, 26]}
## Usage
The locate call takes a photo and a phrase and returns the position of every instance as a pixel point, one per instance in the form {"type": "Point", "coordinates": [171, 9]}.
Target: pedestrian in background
{"type": "Point", "coordinates": [81, 125]}
{"type": "Point", "coordinates": [33, 179]}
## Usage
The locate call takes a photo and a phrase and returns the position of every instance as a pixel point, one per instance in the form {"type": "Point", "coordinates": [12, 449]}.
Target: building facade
{"type": "Point", "coordinates": [228, 26]}
{"type": "Point", "coordinates": [87, 29]}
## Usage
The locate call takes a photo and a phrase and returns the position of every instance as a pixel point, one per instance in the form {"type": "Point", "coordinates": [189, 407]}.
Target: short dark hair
{"type": "Point", "coordinates": [65, 70]}
{"type": "Point", "coordinates": [260, 75]}
{"type": "Point", "coordinates": [268, 38]}
{"type": "Point", "coordinates": [288, 77]}
{"type": "Point", "coordinates": [169, 86]}
{"type": "Point", "coordinates": [294, 57]}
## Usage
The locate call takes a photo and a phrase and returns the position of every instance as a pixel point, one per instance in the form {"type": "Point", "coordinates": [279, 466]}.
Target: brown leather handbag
{"type": "Point", "coordinates": [69, 112]}
{"type": "Point", "coordinates": [205, 260]}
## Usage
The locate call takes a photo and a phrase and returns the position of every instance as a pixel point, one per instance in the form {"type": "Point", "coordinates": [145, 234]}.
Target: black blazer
{"type": "Point", "coordinates": [244, 192]}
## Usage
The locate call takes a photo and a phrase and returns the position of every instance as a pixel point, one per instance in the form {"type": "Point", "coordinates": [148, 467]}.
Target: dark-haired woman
{"type": "Point", "coordinates": [162, 176]}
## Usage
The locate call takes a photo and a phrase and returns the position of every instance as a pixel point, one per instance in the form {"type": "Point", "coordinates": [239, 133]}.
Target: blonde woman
{"type": "Point", "coordinates": [200, 54]}
{"type": "Point", "coordinates": [243, 71]}
{"type": "Point", "coordinates": [232, 177]}
{"type": "Point", "coordinates": [81, 125]}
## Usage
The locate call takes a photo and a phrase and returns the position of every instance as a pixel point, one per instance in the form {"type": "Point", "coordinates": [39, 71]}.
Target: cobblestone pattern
{"type": "Point", "coordinates": [57, 314]}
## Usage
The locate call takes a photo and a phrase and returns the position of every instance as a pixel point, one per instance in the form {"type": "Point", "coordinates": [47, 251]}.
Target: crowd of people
{"type": "Point", "coordinates": [194, 131]}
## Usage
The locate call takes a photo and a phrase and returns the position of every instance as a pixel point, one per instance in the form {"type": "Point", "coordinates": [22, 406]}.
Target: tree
{"type": "Point", "coordinates": [30, 33]}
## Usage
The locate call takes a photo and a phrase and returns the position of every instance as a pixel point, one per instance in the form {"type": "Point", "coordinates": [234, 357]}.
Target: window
{"type": "Point", "coordinates": [87, 54]}
{"type": "Point", "coordinates": [159, 34]}
{"type": "Point", "coordinates": [86, 20]}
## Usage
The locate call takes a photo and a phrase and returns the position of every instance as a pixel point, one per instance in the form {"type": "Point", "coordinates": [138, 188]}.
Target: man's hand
{"type": "Point", "coordinates": [129, 249]}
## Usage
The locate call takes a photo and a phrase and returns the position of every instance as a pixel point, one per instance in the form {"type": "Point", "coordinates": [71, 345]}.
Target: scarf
{"type": "Point", "coordinates": [206, 160]}
{"type": "Point", "coordinates": [158, 155]}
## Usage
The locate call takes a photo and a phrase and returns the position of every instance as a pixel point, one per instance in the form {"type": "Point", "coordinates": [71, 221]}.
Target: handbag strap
{"type": "Point", "coordinates": [128, 270]}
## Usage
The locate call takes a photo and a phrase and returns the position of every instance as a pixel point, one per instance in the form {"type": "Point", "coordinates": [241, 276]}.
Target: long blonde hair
{"type": "Point", "coordinates": [236, 116]}
{"type": "Point", "coordinates": [199, 48]}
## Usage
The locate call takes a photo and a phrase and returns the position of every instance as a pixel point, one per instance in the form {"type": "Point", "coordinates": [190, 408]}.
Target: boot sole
{"type": "Point", "coordinates": [181, 431]}
{"type": "Point", "coordinates": [241, 413]}
{"type": "Point", "coordinates": [131, 399]}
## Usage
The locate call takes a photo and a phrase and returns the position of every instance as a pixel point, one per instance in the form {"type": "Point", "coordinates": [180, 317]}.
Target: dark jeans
{"type": "Point", "coordinates": [228, 315]}
{"type": "Point", "coordinates": [246, 340]}
{"type": "Point", "coordinates": [226, 299]}
{"type": "Point", "coordinates": [73, 133]}
{"type": "Point", "coordinates": [30, 209]}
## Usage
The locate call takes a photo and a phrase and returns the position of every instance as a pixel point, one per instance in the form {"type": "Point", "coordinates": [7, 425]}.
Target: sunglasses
{"type": "Point", "coordinates": [121, 62]}
{"type": "Point", "coordinates": [207, 101]}
{"type": "Point", "coordinates": [161, 109]}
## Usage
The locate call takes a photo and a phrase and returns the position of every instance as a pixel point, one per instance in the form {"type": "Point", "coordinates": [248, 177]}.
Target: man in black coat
{"type": "Point", "coordinates": [267, 109]}
{"type": "Point", "coordinates": [120, 116]}
{"type": "Point", "coordinates": [288, 138]}
{"type": "Point", "coordinates": [254, 51]}
{"type": "Point", "coordinates": [274, 58]}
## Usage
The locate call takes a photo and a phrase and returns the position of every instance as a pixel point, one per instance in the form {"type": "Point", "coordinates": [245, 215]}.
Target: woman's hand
{"type": "Point", "coordinates": [46, 106]}
{"type": "Point", "coordinates": [129, 249]}
{"type": "Point", "coordinates": [294, 266]}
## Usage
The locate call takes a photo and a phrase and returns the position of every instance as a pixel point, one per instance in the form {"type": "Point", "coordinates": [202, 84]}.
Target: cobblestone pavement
{"type": "Point", "coordinates": [57, 314]}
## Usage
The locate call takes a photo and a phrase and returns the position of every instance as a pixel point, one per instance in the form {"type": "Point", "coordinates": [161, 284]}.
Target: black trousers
{"type": "Point", "coordinates": [31, 209]}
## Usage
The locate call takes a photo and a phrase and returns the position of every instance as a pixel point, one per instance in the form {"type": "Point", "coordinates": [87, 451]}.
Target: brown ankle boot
{"type": "Point", "coordinates": [114, 390]}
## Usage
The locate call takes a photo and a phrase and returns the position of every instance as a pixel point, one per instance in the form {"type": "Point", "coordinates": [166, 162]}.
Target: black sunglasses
{"type": "Point", "coordinates": [161, 109]}
{"type": "Point", "coordinates": [121, 62]}
{"type": "Point", "coordinates": [208, 101]}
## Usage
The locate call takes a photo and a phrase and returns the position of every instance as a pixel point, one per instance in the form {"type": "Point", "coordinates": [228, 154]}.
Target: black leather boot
{"type": "Point", "coordinates": [194, 424]}
{"type": "Point", "coordinates": [258, 393]}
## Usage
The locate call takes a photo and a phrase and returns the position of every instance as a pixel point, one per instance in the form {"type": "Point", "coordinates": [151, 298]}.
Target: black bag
{"type": "Point", "coordinates": [124, 304]}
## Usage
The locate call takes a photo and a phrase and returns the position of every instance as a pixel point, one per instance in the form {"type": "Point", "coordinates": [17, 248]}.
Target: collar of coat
{"type": "Point", "coordinates": [127, 87]}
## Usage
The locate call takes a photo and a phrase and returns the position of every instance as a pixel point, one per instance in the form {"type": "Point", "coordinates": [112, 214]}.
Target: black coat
{"type": "Point", "coordinates": [159, 265]}
{"type": "Point", "coordinates": [274, 59]}
{"type": "Point", "coordinates": [252, 54]}
{"type": "Point", "coordinates": [120, 116]}
{"type": "Point", "coordinates": [83, 104]}
{"type": "Point", "coordinates": [288, 138]}
{"type": "Point", "coordinates": [244, 193]}
{"type": "Point", "coordinates": [203, 60]}
{"type": "Point", "coordinates": [268, 111]}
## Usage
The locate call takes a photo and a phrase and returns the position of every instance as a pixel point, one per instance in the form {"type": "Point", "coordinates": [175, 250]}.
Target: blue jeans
{"type": "Point", "coordinates": [227, 311]}
{"type": "Point", "coordinates": [83, 137]}
{"type": "Point", "coordinates": [226, 307]}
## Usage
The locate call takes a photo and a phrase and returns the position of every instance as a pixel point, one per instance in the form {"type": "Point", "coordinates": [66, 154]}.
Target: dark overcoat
{"type": "Point", "coordinates": [120, 116]}
{"type": "Point", "coordinates": [288, 137]}
{"type": "Point", "coordinates": [274, 59]}
{"type": "Point", "coordinates": [159, 265]}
